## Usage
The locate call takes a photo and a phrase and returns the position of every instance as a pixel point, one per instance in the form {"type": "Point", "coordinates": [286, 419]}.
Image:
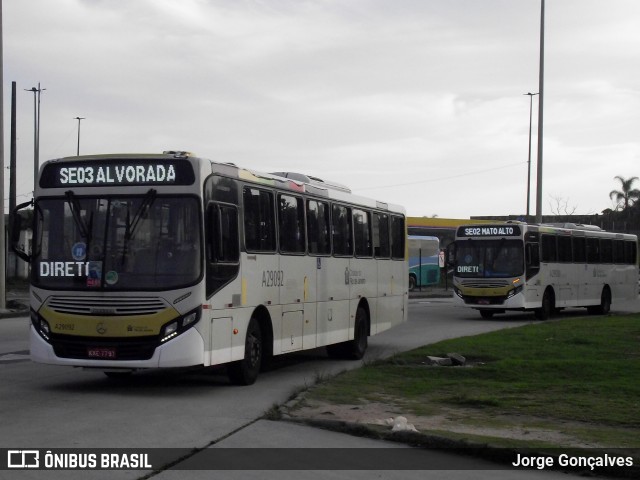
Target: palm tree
{"type": "Point", "coordinates": [627, 195]}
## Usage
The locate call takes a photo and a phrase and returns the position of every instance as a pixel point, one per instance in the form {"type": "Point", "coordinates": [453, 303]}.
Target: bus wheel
{"type": "Point", "coordinates": [356, 348]}
{"type": "Point", "coordinates": [412, 282]}
{"type": "Point", "coordinates": [486, 314]}
{"type": "Point", "coordinates": [548, 306]}
{"type": "Point", "coordinates": [245, 371]}
{"type": "Point", "coordinates": [605, 303]}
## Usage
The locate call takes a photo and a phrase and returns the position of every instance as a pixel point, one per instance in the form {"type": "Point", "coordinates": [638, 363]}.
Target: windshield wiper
{"type": "Point", "coordinates": [148, 200]}
{"type": "Point", "coordinates": [131, 226]}
{"type": "Point", "coordinates": [74, 205]}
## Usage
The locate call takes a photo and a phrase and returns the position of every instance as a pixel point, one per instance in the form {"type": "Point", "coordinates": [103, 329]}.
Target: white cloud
{"type": "Point", "coordinates": [423, 94]}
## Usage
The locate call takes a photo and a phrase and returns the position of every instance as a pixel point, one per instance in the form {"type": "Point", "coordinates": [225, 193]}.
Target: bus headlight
{"type": "Point", "coordinates": [41, 325]}
{"type": "Point", "coordinates": [176, 327]}
{"type": "Point", "coordinates": [189, 318]}
{"type": "Point", "coordinates": [169, 331]}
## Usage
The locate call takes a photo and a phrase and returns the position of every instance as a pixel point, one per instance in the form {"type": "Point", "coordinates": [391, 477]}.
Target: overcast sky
{"type": "Point", "coordinates": [415, 102]}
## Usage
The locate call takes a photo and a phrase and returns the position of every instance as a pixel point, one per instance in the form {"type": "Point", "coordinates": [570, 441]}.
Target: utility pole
{"type": "Point", "coordinates": [540, 117]}
{"type": "Point", "coordinates": [36, 131]}
{"type": "Point", "coordinates": [12, 158]}
{"type": "Point", "coordinates": [12, 167]}
{"type": "Point", "coordinates": [531, 95]}
{"type": "Point", "coordinates": [3, 249]}
{"type": "Point", "coordinates": [78, 150]}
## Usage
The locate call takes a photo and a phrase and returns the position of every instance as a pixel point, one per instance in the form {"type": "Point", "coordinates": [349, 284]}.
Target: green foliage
{"type": "Point", "coordinates": [574, 370]}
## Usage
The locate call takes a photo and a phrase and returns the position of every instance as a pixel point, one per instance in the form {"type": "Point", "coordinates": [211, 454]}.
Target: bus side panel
{"type": "Point", "coordinates": [261, 279]}
{"type": "Point", "coordinates": [220, 339]}
{"type": "Point", "coordinates": [625, 282]}
{"type": "Point", "coordinates": [363, 279]}
{"type": "Point", "coordinates": [333, 300]}
{"type": "Point", "coordinates": [399, 291]}
{"type": "Point", "coordinates": [297, 286]}
{"type": "Point", "coordinates": [382, 320]}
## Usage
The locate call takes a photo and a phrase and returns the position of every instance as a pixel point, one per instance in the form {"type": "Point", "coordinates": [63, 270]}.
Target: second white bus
{"type": "Point", "coordinates": [542, 268]}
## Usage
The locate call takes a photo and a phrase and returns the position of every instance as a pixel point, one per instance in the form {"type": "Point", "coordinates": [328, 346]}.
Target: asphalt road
{"type": "Point", "coordinates": [59, 407]}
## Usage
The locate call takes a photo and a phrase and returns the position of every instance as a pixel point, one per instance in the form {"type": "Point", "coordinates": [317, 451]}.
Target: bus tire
{"type": "Point", "coordinates": [245, 371]}
{"type": "Point", "coordinates": [548, 305]}
{"type": "Point", "coordinates": [356, 348]}
{"type": "Point", "coordinates": [413, 281]}
{"type": "Point", "coordinates": [605, 303]}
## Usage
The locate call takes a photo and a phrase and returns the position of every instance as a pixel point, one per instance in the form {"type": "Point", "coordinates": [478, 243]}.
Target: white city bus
{"type": "Point", "coordinates": [147, 261]}
{"type": "Point", "coordinates": [543, 268]}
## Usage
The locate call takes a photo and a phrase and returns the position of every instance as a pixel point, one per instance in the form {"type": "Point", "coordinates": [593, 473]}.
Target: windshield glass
{"type": "Point", "coordinates": [489, 258]}
{"type": "Point", "coordinates": [117, 243]}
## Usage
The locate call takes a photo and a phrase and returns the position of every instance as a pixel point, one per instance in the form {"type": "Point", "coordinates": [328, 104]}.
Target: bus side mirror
{"type": "Point", "coordinates": [16, 224]}
{"type": "Point", "coordinates": [451, 254]}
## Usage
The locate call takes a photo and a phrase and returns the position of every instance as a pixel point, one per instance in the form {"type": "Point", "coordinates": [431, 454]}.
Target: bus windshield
{"type": "Point", "coordinates": [148, 242]}
{"type": "Point", "coordinates": [489, 258]}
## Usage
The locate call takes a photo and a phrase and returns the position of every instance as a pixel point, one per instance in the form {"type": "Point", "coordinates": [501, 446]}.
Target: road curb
{"type": "Point", "coordinates": [500, 455]}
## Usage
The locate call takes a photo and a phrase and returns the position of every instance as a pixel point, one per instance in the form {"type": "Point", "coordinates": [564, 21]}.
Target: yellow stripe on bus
{"type": "Point", "coordinates": [107, 326]}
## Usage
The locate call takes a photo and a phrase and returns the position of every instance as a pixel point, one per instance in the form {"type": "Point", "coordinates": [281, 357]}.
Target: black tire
{"type": "Point", "coordinates": [246, 371]}
{"type": "Point", "coordinates": [548, 305]}
{"type": "Point", "coordinates": [486, 314]}
{"type": "Point", "coordinates": [356, 348]}
{"type": "Point", "coordinates": [412, 282]}
{"type": "Point", "coordinates": [605, 303]}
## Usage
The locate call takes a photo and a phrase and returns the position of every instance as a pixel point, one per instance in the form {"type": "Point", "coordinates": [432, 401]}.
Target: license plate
{"type": "Point", "coordinates": [483, 301]}
{"type": "Point", "coordinates": [101, 352]}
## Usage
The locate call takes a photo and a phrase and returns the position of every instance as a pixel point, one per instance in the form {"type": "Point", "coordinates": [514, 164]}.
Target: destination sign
{"type": "Point", "coordinates": [489, 231]}
{"type": "Point", "coordinates": [95, 173]}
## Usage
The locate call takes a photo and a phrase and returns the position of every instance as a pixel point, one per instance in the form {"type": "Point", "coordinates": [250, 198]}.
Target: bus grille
{"type": "Point", "coordinates": [484, 283]}
{"type": "Point", "coordinates": [106, 306]}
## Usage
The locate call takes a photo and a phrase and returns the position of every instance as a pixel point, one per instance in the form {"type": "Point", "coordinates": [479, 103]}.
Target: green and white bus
{"type": "Point", "coordinates": [542, 268]}
{"type": "Point", "coordinates": [170, 260]}
{"type": "Point", "coordinates": [424, 264]}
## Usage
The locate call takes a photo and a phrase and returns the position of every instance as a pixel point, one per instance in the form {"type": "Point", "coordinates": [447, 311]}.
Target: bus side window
{"type": "Point", "coordinates": [222, 242]}
{"type": "Point", "coordinates": [291, 224]}
{"type": "Point", "coordinates": [382, 247]}
{"type": "Point", "coordinates": [259, 220]}
{"type": "Point", "coordinates": [579, 250]}
{"type": "Point", "coordinates": [342, 234]}
{"type": "Point", "coordinates": [630, 252]}
{"type": "Point", "coordinates": [593, 250]}
{"type": "Point", "coordinates": [398, 238]}
{"type": "Point", "coordinates": [549, 248]}
{"type": "Point", "coordinates": [318, 227]}
{"type": "Point", "coordinates": [606, 250]}
{"type": "Point", "coordinates": [362, 232]}
{"type": "Point", "coordinates": [532, 259]}
{"type": "Point", "coordinates": [222, 245]}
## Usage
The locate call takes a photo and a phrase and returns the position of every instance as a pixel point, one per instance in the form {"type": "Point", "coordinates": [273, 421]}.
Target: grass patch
{"type": "Point", "coordinates": [579, 376]}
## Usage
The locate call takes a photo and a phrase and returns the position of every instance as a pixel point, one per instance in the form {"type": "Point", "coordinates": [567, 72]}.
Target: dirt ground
{"type": "Point", "coordinates": [458, 421]}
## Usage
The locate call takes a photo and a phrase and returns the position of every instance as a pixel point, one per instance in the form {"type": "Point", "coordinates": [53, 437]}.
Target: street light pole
{"type": "Point", "coordinates": [531, 95]}
{"type": "Point", "coordinates": [540, 117]}
{"type": "Point", "coordinates": [3, 296]}
{"type": "Point", "coordinates": [36, 130]}
{"type": "Point", "coordinates": [78, 150]}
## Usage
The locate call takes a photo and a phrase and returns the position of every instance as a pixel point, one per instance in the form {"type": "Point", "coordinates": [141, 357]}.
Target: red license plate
{"type": "Point", "coordinates": [483, 301]}
{"type": "Point", "coordinates": [101, 352]}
